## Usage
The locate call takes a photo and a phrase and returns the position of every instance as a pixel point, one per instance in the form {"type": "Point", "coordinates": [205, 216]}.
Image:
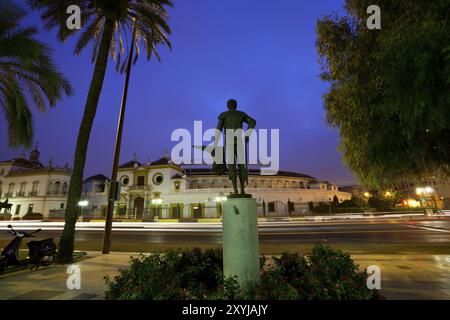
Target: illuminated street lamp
{"type": "Point", "coordinates": [157, 201]}
{"type": "Point", "coordinates": [366, 194]}
{"type": "Point", "coordinates": [82, 204]}
{"type": "Point", "coordinates": [221, 197]}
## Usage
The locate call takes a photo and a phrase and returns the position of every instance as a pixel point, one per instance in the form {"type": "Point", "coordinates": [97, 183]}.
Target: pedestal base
{"type": "Point", "coordinates": [240, 241]}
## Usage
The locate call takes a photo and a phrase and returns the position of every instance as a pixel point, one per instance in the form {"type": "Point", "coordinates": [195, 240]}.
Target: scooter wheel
{"type": "Point", "coordinates": [48, 260]}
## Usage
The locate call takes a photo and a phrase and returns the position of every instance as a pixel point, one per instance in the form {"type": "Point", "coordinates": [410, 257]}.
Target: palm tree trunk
{"type": "Point", "coordinates": [67, 240]}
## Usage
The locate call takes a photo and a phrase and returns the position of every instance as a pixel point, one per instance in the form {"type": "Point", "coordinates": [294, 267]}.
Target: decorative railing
{"type": "Point", "coordinates": [250, 190]}
{"type": "Point", "coordinates": [21, 172]}
{"type": "Point", "coordinates": [140, 187]}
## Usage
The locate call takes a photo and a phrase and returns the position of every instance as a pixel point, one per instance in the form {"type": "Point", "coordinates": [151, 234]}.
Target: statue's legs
{"type": "Point", "coordinates": [242, 176]}
{"type": "Point", "coordinates": [233, 178]}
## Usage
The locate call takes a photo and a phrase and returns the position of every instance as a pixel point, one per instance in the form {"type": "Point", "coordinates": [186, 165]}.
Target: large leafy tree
{"type": "Point", "coordinates": [27, 75]}
{"type": "Point", "coordinates": [106, 25]}
{"type": "Point", "coordinates": [389, 92]}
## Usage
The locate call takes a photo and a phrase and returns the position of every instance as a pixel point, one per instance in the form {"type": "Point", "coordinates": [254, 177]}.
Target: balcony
{"type": "Point", "coordinates": [139, 188]}
{"type": "Point", "coordinates": [8, 195]}
{"type": "Point", "coordinates": [32, 193]}
{"type": "Point", "coordinates": [21, 194]}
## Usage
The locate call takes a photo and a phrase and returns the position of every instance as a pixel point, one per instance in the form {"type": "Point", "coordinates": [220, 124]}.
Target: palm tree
{"type": "Point", "coordinates": [105, 25]}
{"type": "Point", "coordinates": [27, 75]}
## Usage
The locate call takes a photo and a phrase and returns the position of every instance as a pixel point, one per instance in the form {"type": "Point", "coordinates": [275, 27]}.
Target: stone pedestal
{"type": "Point", "coordinates": [240, 240]}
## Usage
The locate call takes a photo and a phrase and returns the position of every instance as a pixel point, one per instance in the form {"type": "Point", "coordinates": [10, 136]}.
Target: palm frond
{"type": "Point", "coordinates": [149, 17]}
{"type": "Point", "coordinates": [27, 76]}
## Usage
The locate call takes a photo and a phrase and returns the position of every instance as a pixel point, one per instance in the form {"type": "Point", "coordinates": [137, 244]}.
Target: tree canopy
{"type": "Point", "coordinates": [27, 75]}
{"type": "Point", "coordinates": [389, 93]}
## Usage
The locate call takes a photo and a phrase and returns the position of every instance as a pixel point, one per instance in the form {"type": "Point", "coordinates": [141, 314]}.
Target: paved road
{"type": "Point", "coordinates": [360, 232]}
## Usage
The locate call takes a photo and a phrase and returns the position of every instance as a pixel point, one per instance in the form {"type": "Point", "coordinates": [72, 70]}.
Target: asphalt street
{"type": "Point", "coordinates": [362, 233]}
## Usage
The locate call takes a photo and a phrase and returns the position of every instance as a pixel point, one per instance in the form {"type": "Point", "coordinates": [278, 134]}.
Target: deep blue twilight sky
{"type": "Point", "coordinates": [260, 52]}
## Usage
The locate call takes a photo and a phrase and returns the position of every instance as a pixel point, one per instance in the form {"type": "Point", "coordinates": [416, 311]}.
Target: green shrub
{"type": "Point", "coordinates": [321, 207]}
{"type": "Point", "coordinates": [188, 274]}
{"type": "Point", "coordinates": [324, 274]}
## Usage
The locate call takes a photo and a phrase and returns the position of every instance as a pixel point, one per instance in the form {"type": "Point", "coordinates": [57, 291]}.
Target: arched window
{"type": "Point", "coordinates": [57, 187]}
{"type": "Point", "coordinates": [215, 184]}
{"type": "Point", "coordinates": [50, 187]}
{"type": "Point", "coordinates": [11, 187]}
{"type": "Point", "coordinates": [194, 184]}
{"type": "Point", "coordinates": [226, 183]}
{"type": "Point", "coordinates": [64, 188]}
{"type": "Point", "coordinates": [301, 185]}
{"type": "Point", "coordinates": [204, 184]}
{"type": "Point", "coordinates": [23, 185]}
{"type": "Point", "coordinates": [34, 188]}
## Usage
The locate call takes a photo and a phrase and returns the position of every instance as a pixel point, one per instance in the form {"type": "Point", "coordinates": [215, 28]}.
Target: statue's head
{"type": "Point", "coordinates": [232, 104]}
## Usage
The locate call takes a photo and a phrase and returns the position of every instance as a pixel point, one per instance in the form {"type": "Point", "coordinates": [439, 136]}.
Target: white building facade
{"type": "Point", "coordinates": [30, 187]}
{"type": "Point", "coordinates": [155, 190]}
{"type": "Point", "coordinates": [162, 190]}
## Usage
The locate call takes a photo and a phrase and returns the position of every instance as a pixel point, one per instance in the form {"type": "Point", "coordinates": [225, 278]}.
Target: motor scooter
{"type": "Point", "coordinates": [40, 253]}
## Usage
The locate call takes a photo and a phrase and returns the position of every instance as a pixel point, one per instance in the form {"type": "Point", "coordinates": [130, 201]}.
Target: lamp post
{"type": "Point", "coordinates": [157, 201]}
{"type": "Point", "coordinates": [330, 205]}
{"type": "Point", "coordinates": [112, 189]}
{"type": "Point", "coordinates": [82, 204]}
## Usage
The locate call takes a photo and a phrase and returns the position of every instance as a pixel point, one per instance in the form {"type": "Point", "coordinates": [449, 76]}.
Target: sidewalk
{"type": "Point", "coordinates": [402, 277]}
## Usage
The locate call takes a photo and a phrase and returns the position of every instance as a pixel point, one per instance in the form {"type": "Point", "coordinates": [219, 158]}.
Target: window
{"type": "Point", "coordinates": [30, 208]}
{"type": "Point", "coordinates": [99, 188]}
{"type": "Point", "coordinates": [23, 185]}
{"type": "Point", "coordinates": [61, 206]}
{"type": "Point", "coordinates": [271, 206]}
{"type": "Point", "coordinates": [64, 188]}
{"type": "Point", "coordinates": [197, 210]}
{"type": "Point", "coordinates": [158, 178]}
{"type": "Point", "coordinates": [57, 187]}
{"type": "Point", "coordinates": [17, 210]}
{"type": "Point", "coordinates": [125, 180]}
{"type": "Point", "coordinates": [34, 188]}
{"type": "Point", "coordinates": [10, 189]}
{"type": "Point", "coordinates": [194, 184]}
{"type": "Point", "coordinates": [2, 172]}
{"type": "Point", "coordinates": [177, 186]}
{"type": "Point", "coordinates": [175, 211]}
{"type": "Point", "coordinates": [140, 180]}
